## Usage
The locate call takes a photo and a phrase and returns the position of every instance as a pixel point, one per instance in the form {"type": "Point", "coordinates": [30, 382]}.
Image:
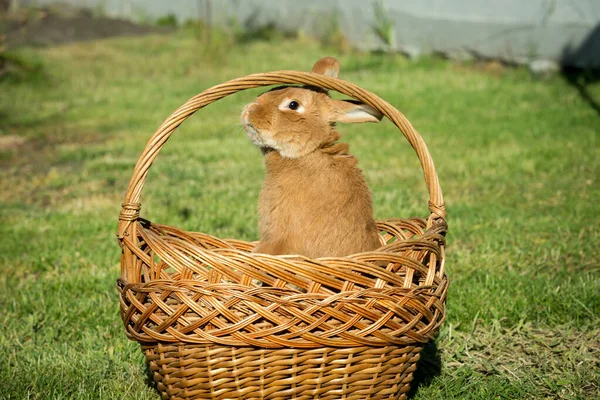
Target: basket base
{"type": "Point", "coordinates": [184, 371]}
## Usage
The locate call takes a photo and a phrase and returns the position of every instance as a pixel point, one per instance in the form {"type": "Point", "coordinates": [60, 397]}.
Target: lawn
{"type": "Point", "coordinates": [518, 159]}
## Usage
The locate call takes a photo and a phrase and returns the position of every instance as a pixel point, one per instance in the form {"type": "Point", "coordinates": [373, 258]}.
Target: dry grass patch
{"type": "Point", "coordinates": [560, 361]}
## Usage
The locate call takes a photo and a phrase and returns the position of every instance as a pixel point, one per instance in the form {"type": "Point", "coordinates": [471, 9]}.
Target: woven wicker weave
{"type": "Point", "coordinates": [328, 328]}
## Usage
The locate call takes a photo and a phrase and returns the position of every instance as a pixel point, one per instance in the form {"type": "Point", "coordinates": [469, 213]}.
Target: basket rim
{"type": "Point", "coordinates": [436, 231]}
{"type": "Point", "coordinates": [355, 283]}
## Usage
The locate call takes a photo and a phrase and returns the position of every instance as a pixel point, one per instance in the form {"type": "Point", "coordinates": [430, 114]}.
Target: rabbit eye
{"type": "Point", "coordinates": [293, 105]}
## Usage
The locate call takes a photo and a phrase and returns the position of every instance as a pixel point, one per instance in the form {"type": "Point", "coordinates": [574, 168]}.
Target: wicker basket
{"type": "Point", "coordinates": [329, 328]}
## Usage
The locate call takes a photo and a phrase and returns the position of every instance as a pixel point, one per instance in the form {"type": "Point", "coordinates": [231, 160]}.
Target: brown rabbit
{"type": "Point", "coordinates": [315, 201]}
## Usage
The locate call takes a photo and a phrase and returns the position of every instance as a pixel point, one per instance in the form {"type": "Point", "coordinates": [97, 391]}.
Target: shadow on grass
{"type": "Point", "coordinates": [581, 67]}
{"type": "Point", "coordinates": [580, 79]}
{"type": "Point", "coordinates": [150, 382]}
{"type": "Point", "coordinates": [428, 367]}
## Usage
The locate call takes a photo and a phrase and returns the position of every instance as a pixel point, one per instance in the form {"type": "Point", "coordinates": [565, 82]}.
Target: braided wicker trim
{"type": "Point", "coordinates": [200, 289]}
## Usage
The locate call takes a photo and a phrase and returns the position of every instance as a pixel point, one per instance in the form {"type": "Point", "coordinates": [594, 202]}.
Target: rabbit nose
{"type": "Point", "coordinates": [246, 112]}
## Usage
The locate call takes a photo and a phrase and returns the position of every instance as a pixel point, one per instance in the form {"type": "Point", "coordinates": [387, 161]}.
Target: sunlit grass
{"type": "Point", "coordinates": [518, 160]}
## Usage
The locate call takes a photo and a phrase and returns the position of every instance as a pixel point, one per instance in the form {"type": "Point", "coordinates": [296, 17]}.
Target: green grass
{"type": "Point", "coordinates": [518, 160]}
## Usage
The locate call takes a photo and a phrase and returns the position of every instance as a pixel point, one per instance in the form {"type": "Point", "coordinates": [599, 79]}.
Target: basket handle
{"type": "Point", "coordinates": [131, 205]}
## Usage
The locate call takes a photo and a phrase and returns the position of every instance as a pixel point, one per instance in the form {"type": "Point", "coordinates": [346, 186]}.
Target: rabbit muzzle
{"type": "Point", "coordinates": [252, 131]}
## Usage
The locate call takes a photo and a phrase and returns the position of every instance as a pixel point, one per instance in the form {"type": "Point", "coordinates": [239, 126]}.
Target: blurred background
{"type": "Point", "coordinates": [505, 94]}
{"type": "Point", "coordinates": [536, 32]}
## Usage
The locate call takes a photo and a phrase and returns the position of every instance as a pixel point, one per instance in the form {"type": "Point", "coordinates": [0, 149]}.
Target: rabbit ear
{"type": "Point", "coordinates": [350, 111]}
{"type": "Point", "coordinates": [327, 66]}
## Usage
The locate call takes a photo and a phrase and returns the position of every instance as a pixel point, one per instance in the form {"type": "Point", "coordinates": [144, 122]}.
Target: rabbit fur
{"type": "Point", "coordinates": [315, 201]}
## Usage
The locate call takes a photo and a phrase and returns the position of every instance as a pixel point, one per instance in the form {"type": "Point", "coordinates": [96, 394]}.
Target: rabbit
{"type": "Point", "coordinates": [315, 201]}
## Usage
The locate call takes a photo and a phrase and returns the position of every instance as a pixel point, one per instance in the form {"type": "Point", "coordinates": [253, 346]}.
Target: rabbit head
{"type": "Point", "coordinates": [295, 121]}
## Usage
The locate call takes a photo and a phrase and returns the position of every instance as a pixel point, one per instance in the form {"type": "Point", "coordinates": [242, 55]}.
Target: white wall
{"type": "Point", "coordinates": [513, 30]}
